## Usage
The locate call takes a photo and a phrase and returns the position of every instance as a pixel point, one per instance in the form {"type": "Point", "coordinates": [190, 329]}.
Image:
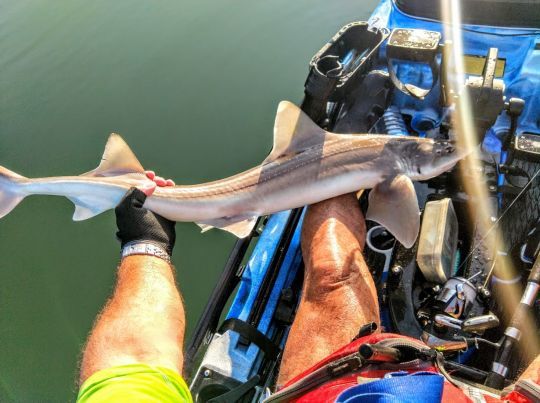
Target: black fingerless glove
{"type": "Point", "coordinates": [136, 223]}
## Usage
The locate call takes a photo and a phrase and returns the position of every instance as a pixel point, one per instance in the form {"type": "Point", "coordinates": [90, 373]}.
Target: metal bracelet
{"type": "Point", "coordinates": [144, 248]}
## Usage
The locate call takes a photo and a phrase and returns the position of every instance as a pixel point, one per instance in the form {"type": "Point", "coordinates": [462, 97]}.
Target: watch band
{"type": "Point", "coordinates": [144, 248]}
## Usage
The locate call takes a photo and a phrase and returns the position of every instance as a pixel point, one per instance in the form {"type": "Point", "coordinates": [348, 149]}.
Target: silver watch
{"type": "Point", "coordinates": [144, 248]}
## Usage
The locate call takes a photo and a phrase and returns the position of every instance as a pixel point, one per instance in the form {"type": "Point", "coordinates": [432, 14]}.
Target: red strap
{"type": "Point", "coordinates": [349, 349]}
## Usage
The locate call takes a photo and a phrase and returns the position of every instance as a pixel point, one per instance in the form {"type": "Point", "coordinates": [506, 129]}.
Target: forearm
{"type": "Point", "coordinates": [144, 321]}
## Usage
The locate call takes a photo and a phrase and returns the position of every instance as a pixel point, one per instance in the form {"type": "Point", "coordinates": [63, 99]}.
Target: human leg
{"type": "Point", "coordinates": [143, 322]}
{"type": "Point", "coordinates": [134, 352]}
{"type": "Point", "coordinates": [339, 295]}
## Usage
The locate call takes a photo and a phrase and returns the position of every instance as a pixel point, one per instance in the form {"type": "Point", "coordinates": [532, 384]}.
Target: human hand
{"type": "Point", "coordinates": [135, 223]}
{"type": "Point", "coordinates": [157, 181]}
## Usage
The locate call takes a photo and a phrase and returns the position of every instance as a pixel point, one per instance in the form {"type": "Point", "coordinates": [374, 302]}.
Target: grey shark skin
{"type": "Point", "coordinates": [306, 165]}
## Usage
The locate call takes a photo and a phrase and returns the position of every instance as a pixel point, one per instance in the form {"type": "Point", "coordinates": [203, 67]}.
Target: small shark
{"type": "Point", "coordinates": [306, 165]}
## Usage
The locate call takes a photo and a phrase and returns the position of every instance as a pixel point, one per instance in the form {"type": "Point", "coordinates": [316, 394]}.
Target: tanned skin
{"type": "Point", "coordinates": [532, 372]}
{"type": "Point", "coordinates": [143, 322]}
{"type": "Point", "coordinates": [339, 295]}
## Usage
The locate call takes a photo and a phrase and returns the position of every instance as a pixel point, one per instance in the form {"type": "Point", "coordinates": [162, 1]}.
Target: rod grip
{"type": "Point", "coordinates": [534, 276]}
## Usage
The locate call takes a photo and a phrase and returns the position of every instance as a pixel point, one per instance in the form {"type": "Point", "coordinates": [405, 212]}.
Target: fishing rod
{"type": "Point", "coordinates": [512, 334]}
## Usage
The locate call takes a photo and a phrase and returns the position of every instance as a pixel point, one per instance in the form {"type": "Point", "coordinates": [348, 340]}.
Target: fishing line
{"type": "Point", "coordinates": [490, 271]}
{"type": "Point", "coordinates": [474, 275]}
{"type": "Point", "coordinates": [525, 188]}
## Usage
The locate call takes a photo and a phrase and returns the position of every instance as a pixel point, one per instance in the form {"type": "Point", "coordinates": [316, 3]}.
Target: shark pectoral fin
{"type": "Point", "coordinates": [394, 205]}
{"type": "Point", "coordinates": [117, 159]}
{"type": "Point", "coordinates": [294, 132]}
{"type": "Point", "coordinates": [88, 207]}
{"type": "Point", "coordinates": [241, 226]}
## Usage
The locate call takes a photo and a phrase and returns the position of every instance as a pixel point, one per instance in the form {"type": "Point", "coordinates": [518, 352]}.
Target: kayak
{"type": "Point", "coordinates": [392, 74]}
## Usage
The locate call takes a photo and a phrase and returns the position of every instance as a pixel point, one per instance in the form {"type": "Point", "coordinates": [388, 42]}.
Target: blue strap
{"type": "Point", "coordinates": [397, 387]}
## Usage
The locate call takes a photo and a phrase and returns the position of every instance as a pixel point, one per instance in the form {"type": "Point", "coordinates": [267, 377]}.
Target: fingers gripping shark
{"type": "Point", "coordinates": [306, 165]}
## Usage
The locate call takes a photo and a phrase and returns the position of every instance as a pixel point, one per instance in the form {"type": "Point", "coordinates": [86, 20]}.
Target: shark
{"type": "Point", "coordinates": [306, 165]}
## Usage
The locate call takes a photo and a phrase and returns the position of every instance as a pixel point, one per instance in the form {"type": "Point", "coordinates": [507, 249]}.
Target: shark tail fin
{"type": "Point", "coordinates": [10, 197]}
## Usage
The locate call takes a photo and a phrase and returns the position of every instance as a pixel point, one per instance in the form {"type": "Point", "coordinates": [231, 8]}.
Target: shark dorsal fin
{"type": "Point", "coordinates": [117, 159]}
{"type": "Point", "coordinates": [294, 132]}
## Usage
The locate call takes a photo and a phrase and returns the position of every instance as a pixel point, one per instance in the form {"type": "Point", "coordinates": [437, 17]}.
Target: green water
{"type": "Point", "coordinates": [191, 85]}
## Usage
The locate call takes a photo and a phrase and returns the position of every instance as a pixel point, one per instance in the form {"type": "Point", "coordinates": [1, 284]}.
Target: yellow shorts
{"type": "Point", "coordinates": [135, 383]}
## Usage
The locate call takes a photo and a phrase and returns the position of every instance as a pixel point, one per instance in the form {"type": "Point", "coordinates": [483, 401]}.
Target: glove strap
{"type": "Point", "coordinates": [144, 248]}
